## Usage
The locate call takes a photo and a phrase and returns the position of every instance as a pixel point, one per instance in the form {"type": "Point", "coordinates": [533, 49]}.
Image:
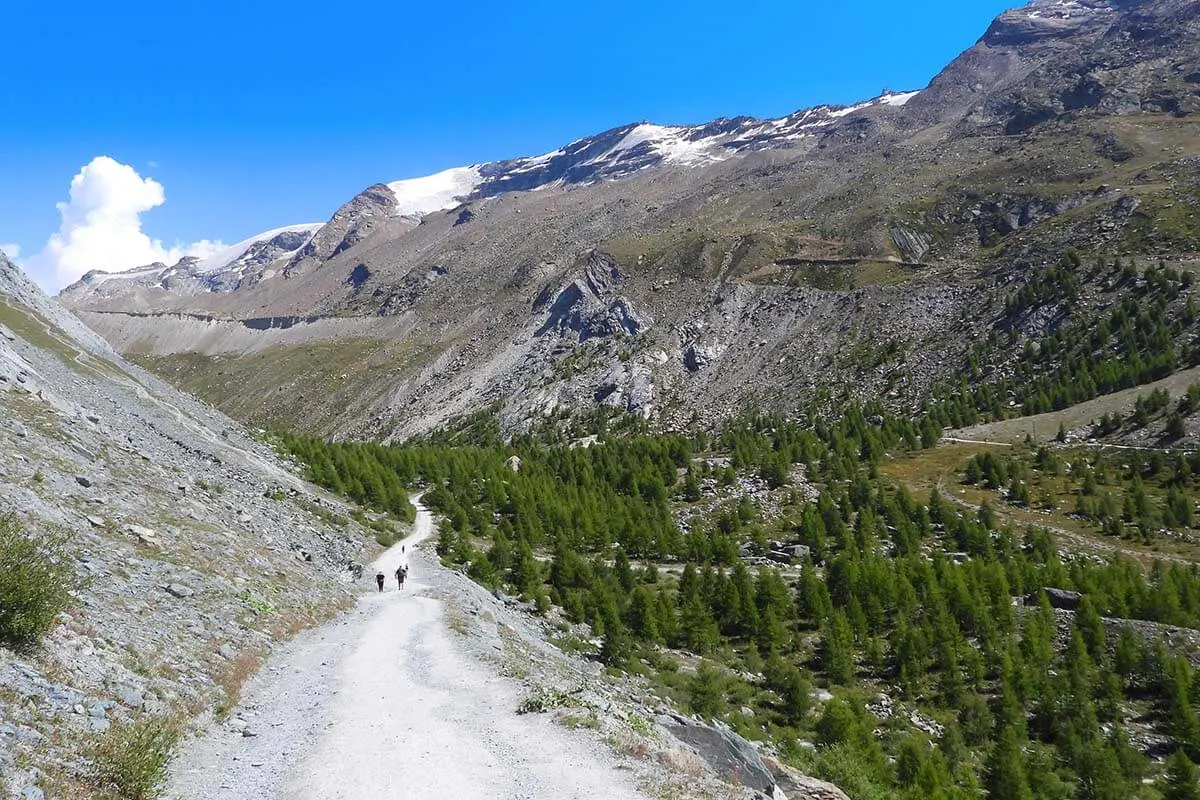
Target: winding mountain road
{"type": "Point", "coordinates": [381, 702]}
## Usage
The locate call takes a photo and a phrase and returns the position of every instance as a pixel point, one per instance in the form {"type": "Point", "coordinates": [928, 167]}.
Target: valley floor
{"type": "Point", "coordinates": [383, 702]}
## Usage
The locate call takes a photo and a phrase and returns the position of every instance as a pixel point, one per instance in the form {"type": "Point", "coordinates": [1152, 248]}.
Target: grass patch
{"type": "Point", "coordinates": [308, 386]}
{"type": "Point", "coordinates": [577, 721]}
{"type": "Point", "coordinates": [129, 761]}
{"type": "Point", "coordinates": [233, 679]}
{"type": "Point", "coordinates": [39, 332]}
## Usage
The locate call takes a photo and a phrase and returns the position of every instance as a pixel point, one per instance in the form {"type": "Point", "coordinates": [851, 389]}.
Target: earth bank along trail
{"type": "Point", "coordinates": [382, 703]}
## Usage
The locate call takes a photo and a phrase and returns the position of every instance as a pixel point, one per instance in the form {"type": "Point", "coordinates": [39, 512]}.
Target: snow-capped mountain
{"type": "Point", "coordinates": [610, 155]}
{"type": "Point", "coordinates": [241, 264]}
{"type": "Point", "coordinates": [619, 152]}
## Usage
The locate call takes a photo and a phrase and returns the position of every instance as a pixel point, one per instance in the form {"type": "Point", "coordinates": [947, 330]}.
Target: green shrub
{"type": "Point", "coordinates": [546, 698]}
{"type": "Point", "coordinates": [131, 758]}
{"type": "Point", "coordinates": [36, 579]}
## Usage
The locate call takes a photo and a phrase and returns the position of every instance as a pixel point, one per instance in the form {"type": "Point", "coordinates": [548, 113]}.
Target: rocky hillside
{"type": "Point", "coordinates": [686, 273]}
{"type": "Point", "coordinates": [195, 546]}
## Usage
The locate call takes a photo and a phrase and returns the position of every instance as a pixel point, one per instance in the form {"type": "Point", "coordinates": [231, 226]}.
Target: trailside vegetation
{"type": "Point", "coordinates": [946, 670]}
{"type": "Point", "coordinates": [37, 577]}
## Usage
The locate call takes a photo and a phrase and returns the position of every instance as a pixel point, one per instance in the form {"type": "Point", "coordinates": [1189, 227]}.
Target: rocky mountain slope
{"type": "Point", "coordinates": [199, 551]}
{"type": "Point", "coordinates": [197, 547]}
{"type": "Point", "coordinates": [687, 273]}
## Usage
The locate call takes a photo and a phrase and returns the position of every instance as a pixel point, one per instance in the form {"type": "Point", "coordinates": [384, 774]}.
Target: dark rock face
{"type": "Point", "coordinates": [589, 307]}
{"type": "Point", "coordinates": [728, 754]}
{"type": "Point", "coordinates": [1044, 20]}
{"type": "Point", "coordinates": [352, 223]}
{"type": "Point", "coordinates": [1052, 58]}
{"type": "Point", "coordinates": [1062, 599]}
{"type": "Point", "coordinates": [358, 276]}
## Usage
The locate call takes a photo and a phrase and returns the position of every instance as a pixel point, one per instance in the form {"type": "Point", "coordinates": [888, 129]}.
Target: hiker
{"type": "Point", "coordinates": [379, 580]}
{"type": "Point", "coordinates": [401, 574]}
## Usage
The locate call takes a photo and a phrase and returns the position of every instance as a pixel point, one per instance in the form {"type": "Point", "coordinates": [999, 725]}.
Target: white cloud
{"type": "Point", "coordinates": [11, 249]}
{"type": "Point", "coordinates": [102, 227]}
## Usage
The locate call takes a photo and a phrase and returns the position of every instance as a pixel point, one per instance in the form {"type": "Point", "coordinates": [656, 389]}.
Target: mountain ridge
{"type": "Point", "coordinates": [870, 250]}
{"type": "Point", "coordinates": [608, 155]}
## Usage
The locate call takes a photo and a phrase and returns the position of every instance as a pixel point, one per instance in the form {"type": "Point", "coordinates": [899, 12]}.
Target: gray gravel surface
{"type": "Point", "coordinates": [383, 700]}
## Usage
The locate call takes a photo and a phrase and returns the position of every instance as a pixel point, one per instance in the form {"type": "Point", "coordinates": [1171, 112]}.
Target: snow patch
{"type": "Point", "coordinates": [223, 258]}
{"type": "Point", "coordinates": [97, 277]}
{"type": "Point", "coordinates": [416, 197]}
{"type": "Point", "coordinates": [897, 98]}
{"type": "Point", "coordinates": [842, 112]}
{"type": "Point", "coordinates": [668, 142]}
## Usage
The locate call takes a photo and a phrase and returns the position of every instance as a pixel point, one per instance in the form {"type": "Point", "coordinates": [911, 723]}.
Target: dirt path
{"type": "Point", "coordinates": [382, 703]}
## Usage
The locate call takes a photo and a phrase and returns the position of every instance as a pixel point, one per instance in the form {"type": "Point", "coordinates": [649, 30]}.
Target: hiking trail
{"type": "Point", "coordinates": [382, 702]}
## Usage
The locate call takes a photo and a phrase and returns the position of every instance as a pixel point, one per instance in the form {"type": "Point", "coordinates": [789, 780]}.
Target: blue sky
{"type": "Point", "coordinates": [257, 114]}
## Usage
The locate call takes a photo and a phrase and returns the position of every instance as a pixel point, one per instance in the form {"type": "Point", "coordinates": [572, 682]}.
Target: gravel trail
{"type": "Point", "coordinates": [383, 703]}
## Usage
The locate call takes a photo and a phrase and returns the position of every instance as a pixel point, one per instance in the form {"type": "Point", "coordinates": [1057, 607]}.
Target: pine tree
{"type": "Point", "coordinates": [1182, 780]}
{"type": "Point", "coordinates": [1089, 624]}
{"type": "Point", "coordinates": [615, 647]}
{"type": "Point", "coordinates": [796, 697]}
{"type": "Point", "coordinates": [837, 644]}
{"type": "Point", "coordinates": [1006, 778]}
{"type": "Point", "coordinates": [643, 615]}
{"type": "Point", "coordinates": [706, 691]}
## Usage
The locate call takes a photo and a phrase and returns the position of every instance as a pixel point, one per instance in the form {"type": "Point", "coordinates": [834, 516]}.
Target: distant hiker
{"type": "Point", "coordinates": [379, 580]}
{"type": "Point", "coordinates": [401, 574]}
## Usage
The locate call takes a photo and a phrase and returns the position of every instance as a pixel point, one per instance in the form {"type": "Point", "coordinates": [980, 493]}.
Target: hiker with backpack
{"type": "Point", "coordinates": [379, 580]}
{"type": "Point", "coordinates": [401, 576]}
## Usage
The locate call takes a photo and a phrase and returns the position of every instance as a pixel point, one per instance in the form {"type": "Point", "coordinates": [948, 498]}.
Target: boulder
{"type": "Point", "coordinates": [697, 357]}
{"type": "Point", "coordinates": [731, 756]}
{"type": "Point", "coordinates": [641, 390]}
{"type": "Point", "coordinates": [913, 245]}
{"type": "Point", "coordinates": [798, 786]}
{"type": "Point", "coordinates": [1063, 599]}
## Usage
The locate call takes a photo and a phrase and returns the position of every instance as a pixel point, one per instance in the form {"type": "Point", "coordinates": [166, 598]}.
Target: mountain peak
{"type": "Point", "coordinates": [622, 151]}
{"type": "Point", "coordinates": [245, 262]}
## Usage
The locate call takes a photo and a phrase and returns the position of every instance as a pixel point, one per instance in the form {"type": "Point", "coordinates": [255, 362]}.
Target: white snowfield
{"type": "Point", "coordinates": [897, 98]}
{"type": "Point", "coordinates": [383, 703]}
{"type": "Point", "coordinates": [671, 143]}
{"type": "Point", "coordinates": [223, 258]}
{"type": "Point", "coordinates": [675, 144]}
{"type": "Point", "coordinates": [416, 197]}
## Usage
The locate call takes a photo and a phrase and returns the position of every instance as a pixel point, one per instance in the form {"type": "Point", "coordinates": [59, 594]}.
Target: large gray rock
{"type": "Point", "coordinates": [798, 786]}
{"type": "Point", "coordinates": [696, 357]}
{"type": "Point", "coordinates": [913, 245]}
{"type": "Point", "coordinates": [1059, 598]}
{"type": "Point", "coordinates": [589, 306]}
{"type": "Point", "coordinates": [731, 756]}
